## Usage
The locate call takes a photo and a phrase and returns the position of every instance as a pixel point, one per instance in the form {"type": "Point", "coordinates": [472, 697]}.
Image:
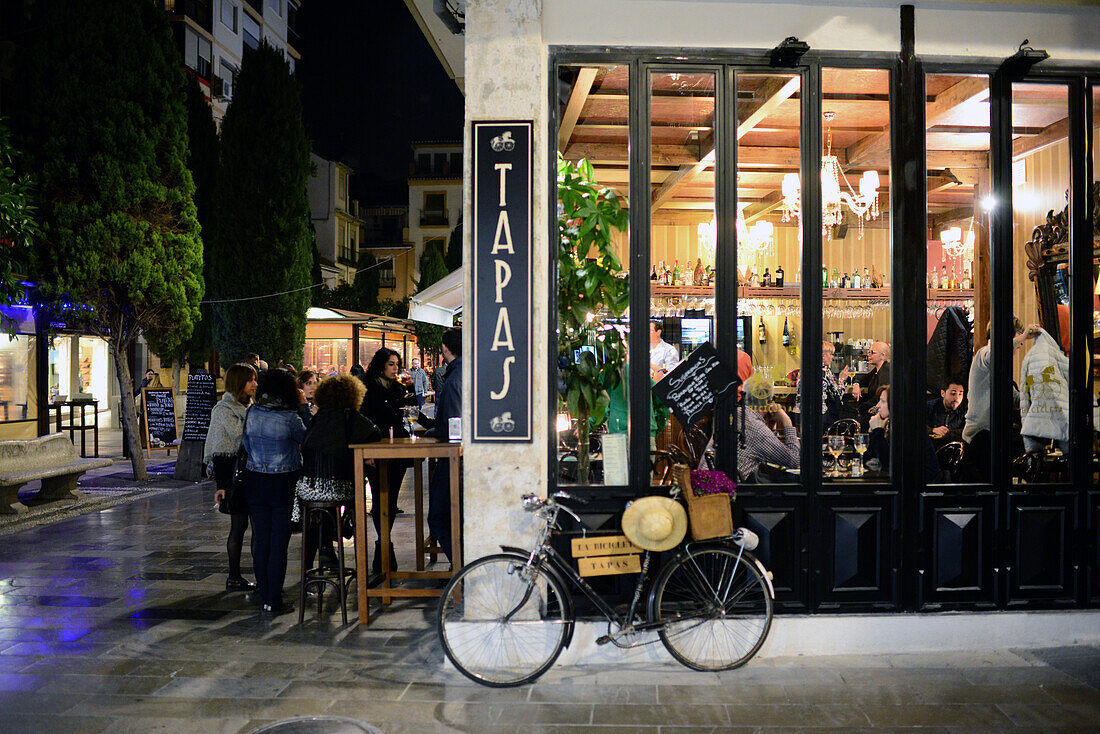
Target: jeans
{"type": "Point", "coordinates": [439, 505]}
{"type": "Point", "coordinates": [1031, 443]}
{"type": "Point", "coordinates": [270, 500]}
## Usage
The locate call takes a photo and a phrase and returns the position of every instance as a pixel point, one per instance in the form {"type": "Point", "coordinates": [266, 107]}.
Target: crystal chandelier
{"type": "Point", "coordinates": [833, 197]}
{"type": "Point", "coordinates": [955, 246]}
{"type": "Point", "coordinates": [752, 242]}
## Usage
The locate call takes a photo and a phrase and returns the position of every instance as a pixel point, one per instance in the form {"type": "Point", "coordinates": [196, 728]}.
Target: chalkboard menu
{"type": "Point", "coordinates": [160, 417]}
{"type": "Point", "coordinates": [200, 401]}
{"type": "Point", "coordinates": [692, 389]}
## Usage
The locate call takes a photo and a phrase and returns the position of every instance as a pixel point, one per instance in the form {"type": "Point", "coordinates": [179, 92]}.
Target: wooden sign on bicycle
{"type": "Point", "coordinates": [604, 555]}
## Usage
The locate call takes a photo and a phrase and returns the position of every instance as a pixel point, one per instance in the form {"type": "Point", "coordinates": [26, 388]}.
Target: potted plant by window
{"type": "Point", "coordinates": [593, 294]}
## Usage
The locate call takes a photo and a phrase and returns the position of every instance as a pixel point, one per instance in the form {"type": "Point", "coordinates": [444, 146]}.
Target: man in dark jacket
{"type": "Point", "coordinates": [946, 415]}
{"type": "Point", "coordinates": [448, 401]}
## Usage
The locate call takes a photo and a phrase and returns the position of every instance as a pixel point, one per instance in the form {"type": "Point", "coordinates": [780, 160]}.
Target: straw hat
{"type": "Point", "coordinates": [655, 523]}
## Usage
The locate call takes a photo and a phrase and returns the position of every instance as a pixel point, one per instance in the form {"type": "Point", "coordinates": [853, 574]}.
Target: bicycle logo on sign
{"type": "Point", "coordinates": [503, 142]}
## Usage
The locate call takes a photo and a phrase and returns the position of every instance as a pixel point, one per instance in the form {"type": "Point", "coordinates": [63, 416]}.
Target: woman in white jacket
{"type": "Point", "coordinates": [223, 441]}
{"type": "Point", "coordinates": [1044, 394]}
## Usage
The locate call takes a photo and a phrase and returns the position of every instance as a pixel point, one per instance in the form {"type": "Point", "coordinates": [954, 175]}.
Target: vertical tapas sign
{"type": "Point", "coordinates": [502, 244]}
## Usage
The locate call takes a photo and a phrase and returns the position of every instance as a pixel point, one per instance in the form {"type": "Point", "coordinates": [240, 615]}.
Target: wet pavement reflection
{"type": "Point", "coordinates": [117, 621]}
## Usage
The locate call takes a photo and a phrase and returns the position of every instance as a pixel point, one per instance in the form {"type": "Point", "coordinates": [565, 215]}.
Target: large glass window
{"type": "Point", "coordinates": [17, 397]}
{"type": "Point", "coordinates": [957, 278]}
{"type": "Point", "coordinates": [1040, 283]}
{"type": "Point", "coordinates": [855, 273]}
{"type": "Point", "coordinates": [683, 247]}
{"type": "Point", "coordinates": [769, 256]}
{"type": "Point", "coordinates": [593, 183]}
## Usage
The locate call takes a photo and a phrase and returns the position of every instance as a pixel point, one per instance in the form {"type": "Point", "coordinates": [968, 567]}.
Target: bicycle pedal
{"type": "Point", "coordinates": [603, 640]}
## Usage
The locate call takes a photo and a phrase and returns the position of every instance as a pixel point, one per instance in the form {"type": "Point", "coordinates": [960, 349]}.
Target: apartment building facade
{"type": "Point", "coordinates": [435, 195]}
{"type": "Point", "coordinates": [214, 37]}
{"type": "Point", "coordinates": [336, 220]}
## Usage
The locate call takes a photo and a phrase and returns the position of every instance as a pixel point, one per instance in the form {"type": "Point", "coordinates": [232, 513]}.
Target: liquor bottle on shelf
{"type": "Point", "coordinates": [845, 281]}
{"type": "Point", "coordinates": [779, 277]}
{"type": "Point", "coordinates": [698, 277]}
{"type": "Point", "coordinates": [856, 281]}
{"type": "Point", "coordinates": [835, 282]}
{"type": "Point", "coordinates": [754, 279]}
{"type": "Point", "coordinates": [760, 329]}
{"type": "Point", "coordinates": [866, 278]}
{"type": "Point", "coordinates": [875, 282]}
{"type": "Point", "coordinates": [943, 277]}
{"type": "Point", "coordinates": [954, 279]}
{"type": "Point", "coordinates": [767, 280]}
{"type": "Point", "coordinates": [824, 277]}
{"type": "Point", "coordinates": [935, 279]}
{"type": "Point", "coordinates": [676, 272]}
{"type": "Point", "coordinates": [966, 279]}
{"type": "Point", "coordinates": [653, 275]}
{"type": "Point", "coordinates": [786, 333]}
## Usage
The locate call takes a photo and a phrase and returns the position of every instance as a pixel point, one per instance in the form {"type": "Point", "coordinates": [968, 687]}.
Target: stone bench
{"type": "Point", "coordinates": [53, 459]}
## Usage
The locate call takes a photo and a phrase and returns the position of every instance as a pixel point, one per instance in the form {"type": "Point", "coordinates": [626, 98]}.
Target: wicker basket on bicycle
{"type": "Point", "coordinates": [709, 515]}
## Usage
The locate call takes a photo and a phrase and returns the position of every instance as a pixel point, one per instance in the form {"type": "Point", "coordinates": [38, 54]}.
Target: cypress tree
{"type": "Point", "coordinates": [453, 257]}
{"type": "Point", "coordinates": [120, 252]}
{"type": "Point", "coordinates": [263, 234]}
{"type": "Point", "coordinates": [367, 283]}
{"type": "Point", "coordinates": [202, 161]}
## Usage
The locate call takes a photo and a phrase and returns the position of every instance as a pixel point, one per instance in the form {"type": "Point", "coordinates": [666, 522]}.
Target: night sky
{"type": "Point", "coordinates": [370, 84]}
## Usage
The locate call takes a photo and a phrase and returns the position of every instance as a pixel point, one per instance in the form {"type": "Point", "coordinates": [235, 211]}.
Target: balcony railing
{"type": "Point", "coordinates": [434, 218]}
{"type": "Point", "coordinates": [200, 11]}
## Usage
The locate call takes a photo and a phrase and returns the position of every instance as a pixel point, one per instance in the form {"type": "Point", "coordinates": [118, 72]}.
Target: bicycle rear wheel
{"type": "Point", "coordinates": [503, 623]}
{"type": "Point", "coordinates": [715, 606]}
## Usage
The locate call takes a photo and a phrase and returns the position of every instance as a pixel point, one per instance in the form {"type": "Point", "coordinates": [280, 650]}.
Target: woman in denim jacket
{"type": "Point", "coordinates": [273, 436]}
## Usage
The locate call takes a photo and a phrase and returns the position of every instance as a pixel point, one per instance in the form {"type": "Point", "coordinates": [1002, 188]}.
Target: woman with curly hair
{"type": "Point", "coordinates": [327, 462]}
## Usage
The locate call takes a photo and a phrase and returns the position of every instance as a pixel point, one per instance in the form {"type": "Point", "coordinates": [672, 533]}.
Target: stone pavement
{"type": "Point", "coordinates": [117, 621]}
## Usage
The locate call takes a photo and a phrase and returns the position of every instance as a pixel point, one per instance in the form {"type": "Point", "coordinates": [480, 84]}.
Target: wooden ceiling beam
{"type": "Point", "coordinates": [967, 90]}
{"type": "Point", "coordinates": [770, 95]}
{"type": "Point", "coordinates": [1050, 135]}
{"type": "Point", "coordinates": [577, 97]}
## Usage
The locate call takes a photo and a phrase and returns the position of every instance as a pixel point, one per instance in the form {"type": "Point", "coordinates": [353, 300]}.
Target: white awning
{"type": "Point", "coordinates": [439, 303]}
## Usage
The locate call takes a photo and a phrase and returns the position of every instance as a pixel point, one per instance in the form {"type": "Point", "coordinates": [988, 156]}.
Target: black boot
{"type": "Point", "coordinates": [376, 562]}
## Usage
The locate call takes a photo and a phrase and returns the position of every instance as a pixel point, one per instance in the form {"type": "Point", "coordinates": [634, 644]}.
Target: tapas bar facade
{"type": "Point", "coordinates": [867, 190]}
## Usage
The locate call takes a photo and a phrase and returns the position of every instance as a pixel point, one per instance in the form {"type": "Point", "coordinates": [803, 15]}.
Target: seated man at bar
{"type": "Point", "coordinates": [832, 393]}
{"type": "Point", "coordinates": [865, 387]}
{"type": "Point", "coordinates": [663, 357]}
{"type": "Point", "coordinates": [758, 442]}
{"type": "Point", "coordinates": [945, 416]}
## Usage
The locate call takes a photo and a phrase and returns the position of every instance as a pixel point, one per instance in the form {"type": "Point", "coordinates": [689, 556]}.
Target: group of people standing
{"type": "Point", "coordinates": [292, 431]}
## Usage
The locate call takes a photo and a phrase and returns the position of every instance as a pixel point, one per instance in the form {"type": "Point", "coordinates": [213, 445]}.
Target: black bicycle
{"type": "Point", "coordinates": [504, 619]}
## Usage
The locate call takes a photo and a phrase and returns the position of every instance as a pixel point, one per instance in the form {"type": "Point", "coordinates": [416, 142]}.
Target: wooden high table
{"type": "Point", "coordinates": [416, 449]}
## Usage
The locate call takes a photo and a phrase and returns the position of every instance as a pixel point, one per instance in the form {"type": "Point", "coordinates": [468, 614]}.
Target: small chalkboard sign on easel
{"type": "Point", "coordinates": [160, 418]}
{"type": "Point", "coordinates": [692, 389]}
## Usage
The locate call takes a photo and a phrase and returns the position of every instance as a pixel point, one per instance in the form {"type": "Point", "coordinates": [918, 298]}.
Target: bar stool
{"type": "Point", "coordinates": [315, 515]}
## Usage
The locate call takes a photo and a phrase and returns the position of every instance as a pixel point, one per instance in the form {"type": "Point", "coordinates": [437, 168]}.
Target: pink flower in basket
{"type": "Point", "coordinates": [709, 481]}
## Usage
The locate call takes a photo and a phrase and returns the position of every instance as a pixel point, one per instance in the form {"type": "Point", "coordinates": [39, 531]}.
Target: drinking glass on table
{"type": "Point", "coordinates": [859, 442]}
{"type": "Point", "coordinates": [836, 447]}
{"type": "Point", "coordinates": [410, 412]}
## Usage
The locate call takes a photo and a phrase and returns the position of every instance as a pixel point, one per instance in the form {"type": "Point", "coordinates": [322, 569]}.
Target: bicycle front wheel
{"type": "Point", "coordinates": [503, 623]}
{"type": "Point", "coordinates": [715, 608]}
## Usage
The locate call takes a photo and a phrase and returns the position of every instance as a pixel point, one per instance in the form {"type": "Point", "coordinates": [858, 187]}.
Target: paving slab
{"type": "Point", "coordinates": [116, 620]}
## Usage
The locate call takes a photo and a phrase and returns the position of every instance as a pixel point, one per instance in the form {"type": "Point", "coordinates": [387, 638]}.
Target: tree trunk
{"type": "Point", "coordinates": [583, 458]}
{"type": "Point", "coordinates": [129, 410]}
